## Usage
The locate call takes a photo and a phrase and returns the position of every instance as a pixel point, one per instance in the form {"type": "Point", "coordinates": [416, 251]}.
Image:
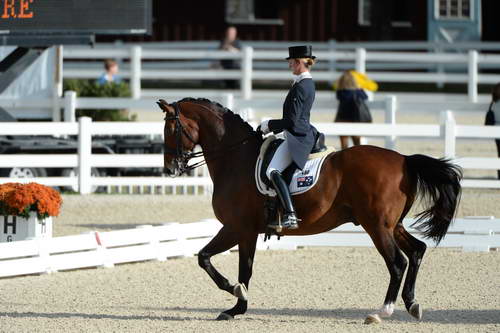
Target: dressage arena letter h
{"type": "Point", "coordinates": [17, 228]}
{"type": "Point", "coordinates": [6, 224]}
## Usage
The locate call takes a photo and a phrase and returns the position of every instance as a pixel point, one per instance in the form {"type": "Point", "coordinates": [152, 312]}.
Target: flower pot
{"type": "Point", "coordinates": [16, 228]}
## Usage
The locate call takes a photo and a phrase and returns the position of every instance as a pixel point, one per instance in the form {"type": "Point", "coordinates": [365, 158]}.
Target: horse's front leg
{"type": "Point", "coordinates": [246, 250]}
{"type": "Point", "coordinates": [223, 241]}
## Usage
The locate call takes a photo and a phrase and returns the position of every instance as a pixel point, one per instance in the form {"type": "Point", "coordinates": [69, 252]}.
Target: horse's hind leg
{"type": "Point", "coordinates": [414, 250]}
{"type": "Point", "coordinates": [396, 263]}
{"type": "Point", "coordinates": [223, 241]}
{"type": "Point", "coordinates": [246, 250]}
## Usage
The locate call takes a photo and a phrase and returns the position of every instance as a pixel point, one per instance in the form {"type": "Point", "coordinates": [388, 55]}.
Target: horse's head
{"type": "Point", "coordinates": [181, 135]}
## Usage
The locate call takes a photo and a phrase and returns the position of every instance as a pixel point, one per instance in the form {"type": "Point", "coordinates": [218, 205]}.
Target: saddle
{"type": "Point", "coordinates": [298, 181]}
{"type": "Point", "coordinates": [269, 147]}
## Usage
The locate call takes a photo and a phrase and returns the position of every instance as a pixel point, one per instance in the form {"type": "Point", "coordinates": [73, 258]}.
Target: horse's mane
{"type": "Point", "coordinates": [227, 114]}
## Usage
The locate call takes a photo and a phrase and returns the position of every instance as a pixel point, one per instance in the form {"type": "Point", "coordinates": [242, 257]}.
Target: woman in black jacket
{"type": "Point", "coordinates": [298, 132]}
{"type": "Point", "coordinates": [350, 96]}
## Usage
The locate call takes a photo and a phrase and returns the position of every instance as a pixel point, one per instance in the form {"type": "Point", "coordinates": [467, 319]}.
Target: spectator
{"type": "Point", "coordinates": [352, 106]}
{"type": "Point", "coordinates": [230, 43]}
{"type": "Point", "coordinates": [493, 117]}
{"type": "Point", "coordinates": [111, 68]}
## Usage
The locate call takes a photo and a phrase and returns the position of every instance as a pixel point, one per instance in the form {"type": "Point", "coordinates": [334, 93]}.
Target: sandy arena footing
{"type": "Point", "coordinates": [308, 290]}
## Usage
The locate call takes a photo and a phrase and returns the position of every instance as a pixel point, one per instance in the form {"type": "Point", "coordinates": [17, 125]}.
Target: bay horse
{"type": "Point", "coordinates": [366, 185]}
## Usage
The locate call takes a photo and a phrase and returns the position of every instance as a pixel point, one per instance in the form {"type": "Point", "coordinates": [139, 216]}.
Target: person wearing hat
{"type": "Point", "coordinates": [299, 134]}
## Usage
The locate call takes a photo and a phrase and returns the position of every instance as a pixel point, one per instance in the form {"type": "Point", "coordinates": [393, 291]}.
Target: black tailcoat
{"type": "Point", "coordinates": [296, 115]}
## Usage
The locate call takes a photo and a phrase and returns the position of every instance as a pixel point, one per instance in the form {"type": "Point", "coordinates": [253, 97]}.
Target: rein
{"type": "Point", "coordinates": [183, 157]}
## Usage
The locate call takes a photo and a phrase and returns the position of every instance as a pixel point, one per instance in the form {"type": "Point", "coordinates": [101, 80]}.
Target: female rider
{"type": "Point", "coordinates": [299, 134]}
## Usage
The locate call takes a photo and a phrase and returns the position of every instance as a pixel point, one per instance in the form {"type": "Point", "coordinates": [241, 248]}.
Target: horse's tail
{"type": "Point", "coordinates": [438, 184]}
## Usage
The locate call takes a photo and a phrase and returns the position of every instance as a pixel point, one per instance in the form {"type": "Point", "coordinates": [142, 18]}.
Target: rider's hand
{"type": "Point", "coordinates": [263, 127]}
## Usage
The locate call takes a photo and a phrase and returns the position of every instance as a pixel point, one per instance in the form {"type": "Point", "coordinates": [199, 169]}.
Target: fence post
{"type": "Point", "coordinates": [440, 68]}
{"type": "Point", "coordinates": [229, 101]}
{"type": "Point", "coordinates": [135, 71]}
{"type": "Point", "coordinates": [332, 65]}
{"type": "Point", "coordinates": [59, 70]}
{"type": "Point", "coordinates": [246, 75]}
{"type": "Point", "coordinates": [70, 106]}
{"type": "Point", "coordinates": [449, 133]}
{"type": "Point", "coordinates": [58, 83]}
{"type": "Point", "coordinates": [361, 60]}
{"type": "Point", "coordinates": [390, 118]}
{"type": "Point", "coordinates": [84, 155]}
{"type": "Point", "coordinates": [473, 76]}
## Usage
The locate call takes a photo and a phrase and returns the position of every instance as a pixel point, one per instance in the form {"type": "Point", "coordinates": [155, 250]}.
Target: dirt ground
{"type": "Point", "coordinates": [308, 290]}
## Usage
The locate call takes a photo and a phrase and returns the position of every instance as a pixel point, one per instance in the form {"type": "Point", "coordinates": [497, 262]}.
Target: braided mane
{"type": "Point", "coordinates": [218, 108]}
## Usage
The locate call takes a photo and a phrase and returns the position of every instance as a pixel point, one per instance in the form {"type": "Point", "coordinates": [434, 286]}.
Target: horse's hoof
{"type": "Point", "coordinates": [373, 319]}
{"type": "Point", "coordinates": [224, 316]}
{"type": "Point", "coordinates": [240, 291]}
{"type": "Point", "coordinates": [415, 311]}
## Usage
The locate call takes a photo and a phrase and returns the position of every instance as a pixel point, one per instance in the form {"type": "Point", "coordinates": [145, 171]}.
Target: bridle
{"type": "Point", "coordinates": [182, 156]}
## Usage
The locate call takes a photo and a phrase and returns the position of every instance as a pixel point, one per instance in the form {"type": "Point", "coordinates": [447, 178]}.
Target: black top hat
{"type": "Point", "coordinates": [303, 51]}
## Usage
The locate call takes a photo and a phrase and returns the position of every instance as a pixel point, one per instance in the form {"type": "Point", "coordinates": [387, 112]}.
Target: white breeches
{"type": "Point", "coordinates": [281, 160]}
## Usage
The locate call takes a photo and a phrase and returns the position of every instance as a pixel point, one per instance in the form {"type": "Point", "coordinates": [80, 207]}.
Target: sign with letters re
{"type": "Point", "coordinates": [16, 228]}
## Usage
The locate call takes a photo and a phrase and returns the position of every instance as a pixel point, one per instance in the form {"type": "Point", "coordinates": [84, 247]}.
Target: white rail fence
{"type": "Point", "coordinates": [263, 102]}
{"type": "Point", "coordinates": [84, 160]}
{"type": "Point", "coordinates": [325, 103]}
{"type": "Point", "coordinates": [105, 249]}
{"type": "Point", "coordinates": [331, 45]}
{"type": "Point", "coordinates": [448, 132]}
{"type": "Point", "coordinates": [139, 69]}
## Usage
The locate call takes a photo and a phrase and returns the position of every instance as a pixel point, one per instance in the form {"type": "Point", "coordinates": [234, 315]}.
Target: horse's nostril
{"type": "Point", "coordinates": [167, 171]}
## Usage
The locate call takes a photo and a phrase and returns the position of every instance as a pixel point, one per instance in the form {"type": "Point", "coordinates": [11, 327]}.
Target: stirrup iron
{"type": "Point", "coordinates": [290, 221]}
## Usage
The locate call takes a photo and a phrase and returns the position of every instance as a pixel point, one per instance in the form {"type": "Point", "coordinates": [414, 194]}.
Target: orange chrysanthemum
{"type": "Point", "coordinates": [21, 199]}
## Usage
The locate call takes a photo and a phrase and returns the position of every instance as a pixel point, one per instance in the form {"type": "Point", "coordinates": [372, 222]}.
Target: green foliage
{"type": "Point", "coordinates": [90, 88]}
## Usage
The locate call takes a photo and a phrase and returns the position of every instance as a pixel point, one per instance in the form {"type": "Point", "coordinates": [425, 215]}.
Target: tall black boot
{"type": "Point", "coordinates": [290, 220]}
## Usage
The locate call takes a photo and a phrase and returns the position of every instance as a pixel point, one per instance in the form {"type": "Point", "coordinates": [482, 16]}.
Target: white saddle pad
{"type": "Point", "coordinates": [302, 180]}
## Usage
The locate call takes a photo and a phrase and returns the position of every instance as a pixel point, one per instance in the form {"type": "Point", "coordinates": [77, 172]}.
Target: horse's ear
{"type": "Point", "coordinates": [165, 106]}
